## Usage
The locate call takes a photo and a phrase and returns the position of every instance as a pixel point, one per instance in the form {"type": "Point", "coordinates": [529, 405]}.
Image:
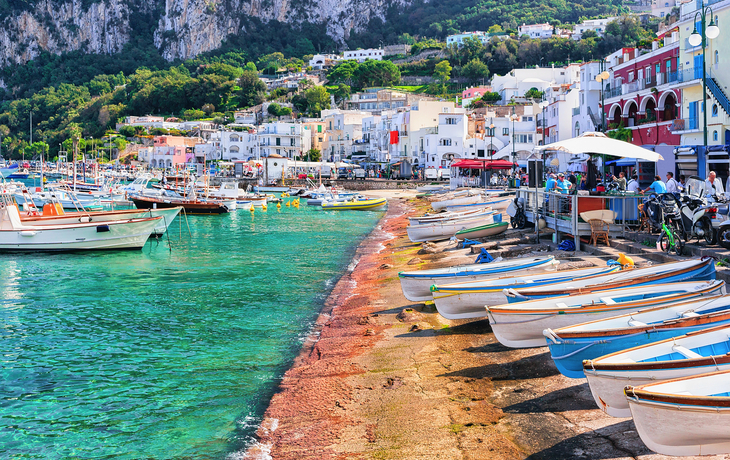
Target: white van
{"type": "Point", "coordinates": [444, 174]}
{"type": "Point", "coordinates": [431, 174]}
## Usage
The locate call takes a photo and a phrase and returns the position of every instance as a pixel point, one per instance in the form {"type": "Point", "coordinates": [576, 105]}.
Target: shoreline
{"type": "Point", "coordinates": [327, 341]}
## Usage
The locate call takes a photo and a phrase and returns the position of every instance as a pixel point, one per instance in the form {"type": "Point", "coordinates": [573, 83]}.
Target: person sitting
{"type": "Point", "coordinates": [657, 186]}
{"type": "Point", "coordinates": [714, 186]}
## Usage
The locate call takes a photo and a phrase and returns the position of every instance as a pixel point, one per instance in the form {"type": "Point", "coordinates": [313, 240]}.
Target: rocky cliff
{"type": "Point", "coordinates": [185, 28]}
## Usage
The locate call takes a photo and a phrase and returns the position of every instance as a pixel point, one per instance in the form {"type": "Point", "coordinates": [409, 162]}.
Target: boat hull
{"type": "Point", "coordinates": [444, 230]}
{"type": "Point", "coordinates": [497, 205]}
{"type": "Point", "coordinates": [363, 205]}
{"type": "Point", "coordinates": [167, 214]}
{"type": "Point", "coordinates": [130, 234]}
{"type": "Point", "coordinates": [483, 231]}
{"type": "Point", "coordinates": [438, 205]}
{"type": "Point", "coordinates": [190, 207]}
{"type": "Point", "coordinates": [416, 286]}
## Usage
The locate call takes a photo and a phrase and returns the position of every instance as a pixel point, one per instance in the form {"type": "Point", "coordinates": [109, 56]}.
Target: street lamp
{"type": "Point", "coordinates": [697, 38]}
{"type": "Point", "coordinates": [491, 139]}
{"type": "Point", "coordinates": [514, 154]}
{"type": "Point", "coordinates": [600, 78]}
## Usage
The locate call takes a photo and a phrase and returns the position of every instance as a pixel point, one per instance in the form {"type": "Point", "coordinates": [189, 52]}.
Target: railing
{"type": "Point", "coordinates": [684, 124]}
{"type": "Point", "coordinates": [613, 92]}
{"type": "Point", "coordinates": [650, 81]}
{"type": "Point", "coordinates": [594, 118]}
{"type": "Point", "coordinates": [719, 94]}
{"type": "Point", "coordinates": [576, 111]}
{"type": "Point", "coordinates": [631, 87]}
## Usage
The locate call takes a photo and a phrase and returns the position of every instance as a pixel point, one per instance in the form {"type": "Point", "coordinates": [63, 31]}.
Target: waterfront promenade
{"type": "Point", "coordinates": [382, 378]}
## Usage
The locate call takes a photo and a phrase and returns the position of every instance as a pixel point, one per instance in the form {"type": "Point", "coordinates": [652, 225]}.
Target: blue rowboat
{"type": "Point", "coordinates": [570, 346]}
{"type": "Point", "coordinates": [688, 270]}
{"type": "Point", "coordinates": [694, 353]}
{"type": "Point", "coordinates": [521, 325]}
{"type": "Point", "coordinates": [416, 285]}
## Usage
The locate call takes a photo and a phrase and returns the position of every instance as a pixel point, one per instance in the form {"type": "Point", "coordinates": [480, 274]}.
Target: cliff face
{"type": "Point", "coordinates": [185, 29]}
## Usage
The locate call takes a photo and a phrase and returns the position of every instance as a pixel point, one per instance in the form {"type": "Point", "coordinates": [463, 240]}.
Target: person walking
{"type": "Point", "coordinates": [672, 185]}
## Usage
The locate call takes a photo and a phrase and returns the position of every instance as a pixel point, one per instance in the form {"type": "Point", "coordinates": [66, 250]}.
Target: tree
{"type": "Point", "coordinates": [127, 131]}
{"type": "Point", "coordinates": [314, 154]}
{"type": "Point", "coordinates": [495, 29]}
{"type": "Point", "coordinates": [317, 99]}
{"type": "Point", "coordinates": [534, 93]}
{"type": "Point", "coordinates": [442, 74]}
{"type": "Point", "coordinates": [208, 109]}
{"type": "Point", "coordinates": [490, 97]}
{"type": "Point", "coordinates": [343, 72]}
{"type": "Point", "coordinates": [253, 90]}
{"type": "Point", "coordinates": [475, 70]}
{"type": "Point", "coordinates": [341, 92]}
{"type": "Point", "coordinates": [376, 73]}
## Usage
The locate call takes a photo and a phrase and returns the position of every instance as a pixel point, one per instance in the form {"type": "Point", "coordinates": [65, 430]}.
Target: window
{"type": "Point", "coordinates": [491, 131]}
{"type": "Point", "coordinates": [278, 141]}
{"type": "Point", "coordinates": [631, 76]}
{"type": "Point", "coordinates": [451, 121]}
{"type": "Point", "coordinates": [505, 131]}
{"type": "Point", "coordinates": [292, 144]}
{"type": "Point", "coordinates": [319, 128]}
{"type": "Point", "coordinates": [529, 118]}
{"type": "Point", "coordinates": [717, 57]}
{"type": "Point", "coordinates": [445, 110]}
{"type": "Point", "coordinates": [445, 142]}
{"type": "Point", "coordinates": [480, 153]}
{"type": "Point", "coordinates": [714, 135]}
{"type": "Point", "coordinates": [714, 111]}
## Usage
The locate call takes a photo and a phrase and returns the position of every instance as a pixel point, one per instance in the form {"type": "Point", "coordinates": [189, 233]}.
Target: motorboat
{"type": "Point", "coordinates": [168, 199]}
{"type": "Point", "coordinates": [115, 234]}
{"type": "Point", "coordinates": [571, 345]}
{"type": "Point", "coordinates": [467, 299]}
{"type": "Point", "coordinates": [416, 285]}
{"type": "Point", "coordinates": [683, 416]}
{"type": "Point", "coordinates": [371, 204]}
{"type": "Point", "coordinates": [521, 325]}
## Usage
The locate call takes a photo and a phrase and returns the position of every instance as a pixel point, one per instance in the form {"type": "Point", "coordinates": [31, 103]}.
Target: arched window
{"type": "Point", "coordinates": [717, 57]}
{"type": "Point", "coordinates": [714, 135]}
{"type": "Point", "coordinates": [714, 110]}
{"type": "Point", "coordinates": [577, 129]}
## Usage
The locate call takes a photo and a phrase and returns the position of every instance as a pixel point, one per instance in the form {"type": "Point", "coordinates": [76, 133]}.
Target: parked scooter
{"type": "Point", "coordinates": [697, 215]}
{"type": "Point", "coordinates": [723, 234]}
{"type": "Point", "coordinates": [516, 211]}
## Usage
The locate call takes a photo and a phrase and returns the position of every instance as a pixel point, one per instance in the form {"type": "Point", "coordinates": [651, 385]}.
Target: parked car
{"type": "Point", "coordinates": [326, 172]}
{"type": "Point", "coordinates": [431, 174]}
{"type": "Point", "coordinates": [359, 173]}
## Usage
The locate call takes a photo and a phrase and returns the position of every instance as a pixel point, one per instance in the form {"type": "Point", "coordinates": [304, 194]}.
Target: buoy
{"type": "Point", "coordinates": [252, 209]}
{"type": "Point", "coordinates": [278, 205]}
{"type": "Point", "coordinates": [625, 260]}
{"type": "Point", "coordinates": [288, 204]}
{"type": "Point", "coordinates": [263, 207]}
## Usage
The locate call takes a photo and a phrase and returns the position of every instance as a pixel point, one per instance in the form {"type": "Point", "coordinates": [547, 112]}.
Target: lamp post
{"type": "Point", "coordinates": [491, 139]}
{"type": "Point", "coordinates": [600, 78]}
{"type": "Point", "coordinates": [514, 154]}
{"type": "Point", "coordinates": [707, 32]}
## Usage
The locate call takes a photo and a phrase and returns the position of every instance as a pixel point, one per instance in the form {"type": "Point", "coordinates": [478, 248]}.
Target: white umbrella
{"type": "Point", "coordinates": [600, 144]}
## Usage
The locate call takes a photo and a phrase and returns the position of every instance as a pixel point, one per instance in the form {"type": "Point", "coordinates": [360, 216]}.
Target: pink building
{"type": "Point", "coordinates": [168, 151]}
{"type": "Point", "coordinates": [477, 91]}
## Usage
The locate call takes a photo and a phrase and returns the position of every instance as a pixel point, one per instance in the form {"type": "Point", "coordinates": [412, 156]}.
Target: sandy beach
{"type": "Point", "coordinates": [382, 378]}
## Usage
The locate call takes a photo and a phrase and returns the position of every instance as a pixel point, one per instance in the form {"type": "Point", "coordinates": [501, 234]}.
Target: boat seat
{"type": "Point", "coordinates": [561, 305]}
{"type": "Point", "coordinates": [634, 323]}
{"type": "Point", "coordinates": [689, 354]}
{"type": "Point", "coordinates": [690, 314]}
{"type": "Point", "coordinates": [608, 301]}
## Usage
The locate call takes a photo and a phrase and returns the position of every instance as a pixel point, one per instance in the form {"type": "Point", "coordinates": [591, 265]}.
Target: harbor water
{"type": "Point", "coordinates": [164, 353]}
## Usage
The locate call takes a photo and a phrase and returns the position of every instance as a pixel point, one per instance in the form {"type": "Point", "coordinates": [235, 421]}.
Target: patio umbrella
{"type": "Point", "coordinates": [599, 143]}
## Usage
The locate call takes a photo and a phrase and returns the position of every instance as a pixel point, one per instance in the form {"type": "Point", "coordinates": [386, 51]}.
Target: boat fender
{"type": "Point", "coordinates": [102, 228]}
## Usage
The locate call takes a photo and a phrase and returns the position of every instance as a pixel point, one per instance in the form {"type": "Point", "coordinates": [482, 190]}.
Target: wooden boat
{"type": "Point", "coordinates": [443, 230]}
{"type": "Point", "coordinates": [360, 205]}
{"type": "Point", "coordinates": [571, 345]}
{"type": "Point", "coordinates": [439, 217]}
{"type": "Point", "coordinates": [522, 325]}
{"type": "Point", "coordinates": [116, 234]}
{"type": "Point", "coordinates": [191, 206]}
{"type": "Point", "coordinates": [469, 199]}
{"type": "Point", "coordinates": [688, 270]}
{"type": "Point", "coordinates": [467, 299]}
{"type": "Point", "coordinates": [482, 231]}
{"type": "Point", "coordinates": [55, 215]}
{"type": "Point", "coordinates": [684, 416]}
{"type": "Point", "coordinates": [695, 353]}
{"type": "Point", "coordinates": [416, 285]}
{"type": "Point", "coordinates": [497, 205]}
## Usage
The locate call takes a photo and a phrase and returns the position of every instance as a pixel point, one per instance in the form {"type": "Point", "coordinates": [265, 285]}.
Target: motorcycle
{"type": "Point", "coordinates": [697, 215]}
{"type": "Point", "coordinates": [665, 214]}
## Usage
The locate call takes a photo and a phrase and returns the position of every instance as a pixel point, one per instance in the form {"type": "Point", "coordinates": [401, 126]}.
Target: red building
{"type": "Point", "coordinates": [641, 95]}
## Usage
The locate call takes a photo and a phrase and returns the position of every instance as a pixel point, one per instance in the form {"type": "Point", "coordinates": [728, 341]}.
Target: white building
{"type": "Point", "coordinates": [289, 140]}
{"type": "Point", "coordinates": [343, 128]}
{"type": "Point", "coordinates": [458, 39]}
{"type": "Point", "coordinates": [364, 55]}
{"type": "Point", "coordinates": [587, 115]}
{"type": "Point", "coordinates": [536, 30]}
{"type": "Point", "coordinates": [323, 61]}
{"type": "Point", "coordinates": [661, 8]}
{"type": "Point", "coordinates": [596, 25]}
{"type": "Point", "coordinates": [518, 81]}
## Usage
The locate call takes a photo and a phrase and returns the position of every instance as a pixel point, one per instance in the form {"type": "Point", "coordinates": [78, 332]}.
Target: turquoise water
{"type": "Point", "coordinates": [159, 353]}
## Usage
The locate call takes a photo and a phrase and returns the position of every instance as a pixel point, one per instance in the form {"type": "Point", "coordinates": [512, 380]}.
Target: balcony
{"type": "Point", "coordinates": [613, 92]}
{"type": "Point", "coordinates": [681, 125]}
{"type": "Point", "coordinates": [576, 111]}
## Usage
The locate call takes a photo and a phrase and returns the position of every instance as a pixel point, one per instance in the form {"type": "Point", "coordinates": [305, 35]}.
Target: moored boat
{"type": "Point", "coordinates": [521, 325]}
{"type": "Point", "coordinates": [360, 205]}
{"type": "Point", "coordinates": [571, 345]}
{"type": "Point", "coordinates": [694, 353]}
{"type": "Point", "coordinates": [191, 206]}
{"type": "Point", "coordinates": [468, 299]}
{"type": "Point", "coordinates": [416, 285]}
{"type": "Point", "coordinates": [684, 416]}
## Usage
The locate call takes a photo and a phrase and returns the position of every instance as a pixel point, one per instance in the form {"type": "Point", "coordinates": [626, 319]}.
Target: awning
{"type": "Point", "coordinates": [483, 164]}
{"type": "Point", "coordinates": [600, 144]}
{"type": "Point", "coordinates": [623, 162]}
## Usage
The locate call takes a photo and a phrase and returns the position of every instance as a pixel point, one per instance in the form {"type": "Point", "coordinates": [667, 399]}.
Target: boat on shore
{"type": "Point", "coordinates": [468, 299]}
{"type": "Point", "coordinates": [694, 353]}
{"type": "Point", "coordinates": [684, 416]}
{"type": "Point", "coordinates": [439, 217]}
{"type": "Point", "coordinates": [521, 325]}
{"type": "Point", "coordinates": [416, 285]}
{"type": "Point", "coordinates": [497, 205]}
{"type": "Point", "coordinates": [444, 230]}
{"type": "Point", "coordinates": [571, 345]}
{"type": "Point", "coordinates": [687, 270]}
{"type": "Point", "coordinates": [482, 231]}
